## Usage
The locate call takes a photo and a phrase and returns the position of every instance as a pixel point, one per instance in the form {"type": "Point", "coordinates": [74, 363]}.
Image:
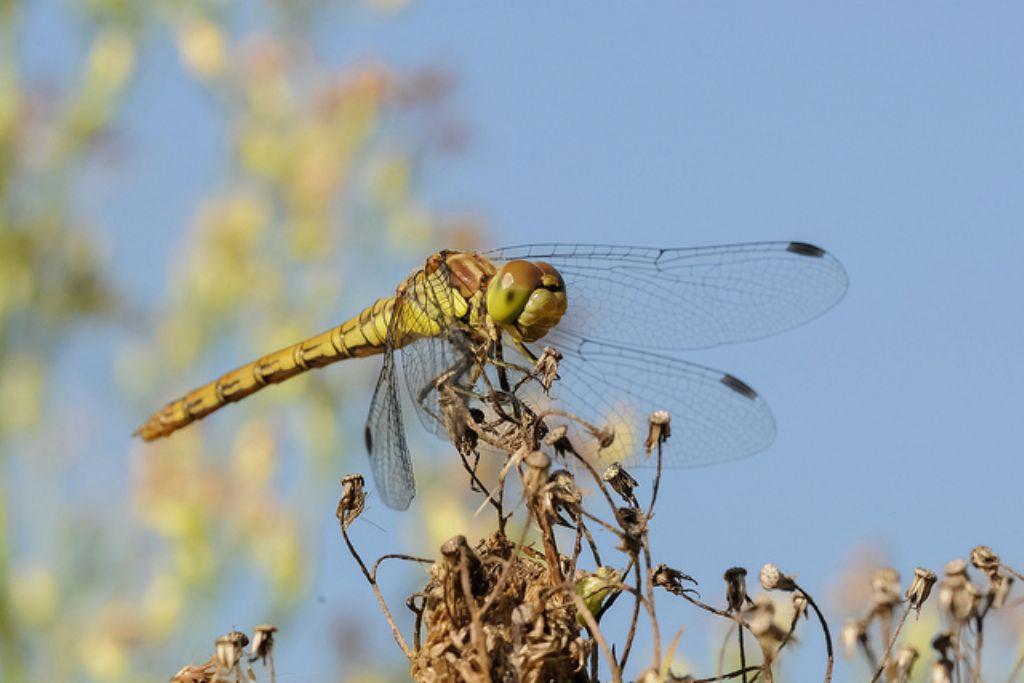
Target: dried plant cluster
{"type": "Point", "coordinates": [964, 608]}
{"type": "Point", "coordinates": [227, 663]}
{"type": "Point", "coordinates": [528, 605]}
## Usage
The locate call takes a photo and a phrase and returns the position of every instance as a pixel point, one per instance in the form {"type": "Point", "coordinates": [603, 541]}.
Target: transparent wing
{"type": "Point", "coordinates": [715, 416]}
{"type": "Point", "coordinates": [687, 298]}
{"type": "Point", "coordinates": [385, 440]}
{"type": "Point", "coordinates": [423, 362]}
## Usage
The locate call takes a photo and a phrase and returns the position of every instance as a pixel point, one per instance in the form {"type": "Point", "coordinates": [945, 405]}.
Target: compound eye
{"type": "Point", "coordinates": [510, 289]}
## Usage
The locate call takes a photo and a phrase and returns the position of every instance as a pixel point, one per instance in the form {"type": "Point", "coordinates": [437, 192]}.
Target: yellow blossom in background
{"type": "Point", "coordinates": [21, 391]}
{"type": "Point", "coordinates": [203, 47]}
{"type": "Point", "coordinates": [35, 594]}
{"type": "Point", "coordinates": [162, 606]}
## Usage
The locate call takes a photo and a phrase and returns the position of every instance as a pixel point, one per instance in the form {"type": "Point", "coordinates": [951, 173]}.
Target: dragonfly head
{"type": "Point", "coordinates": [526, 298]}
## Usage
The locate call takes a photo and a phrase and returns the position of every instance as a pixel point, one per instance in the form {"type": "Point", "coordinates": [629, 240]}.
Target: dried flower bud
{"type": "Point", "coordinates": [885, 586]}
{"type": "Point", "coordinates": [546, 367]}
{"type": "Point", "coordinates": [735, 587]}
{"type": "Point", "coordinates": [672, 580]}
{"type": "Point", "coordinates": [228, 651]}
{"type": "Point", "coordinates": [658, 429]}
{"type": "Point", "coordinates": [353, 499]}
{"type": "Point", "coordinates": [920, 587]}
{"type": "Point", "coordinates": [605, 437]}
{"type": "Point", "coordinates": [999, 589]}
{"type": "Point", "coordinates": [558, 438]}
{"type": "Point", "coordinates": [958, 597]}
{"type": "Point", "coordinates": [536, 476]}
{"type": "Point", "coordinates": [906, 656]}
{"type": "Point", "coordinates": [943, 644]}
{"type": "Point", "coordinates": [984, 559]}
{"type": "Point", "coordinates": [772, 579]}
{"type": "Point", "coordinates": [262, 642]}
{"type": "Point", "coordinates": [942, 672]}
{"type": "Point", "coordinates": [956, 568]}
{"type": "Point", "coordinates": [760, 619]}
{"type": "Point", "coordinates": [621, 482]}
{"type": "Point", "coordinates": [853, 634]}
{"type": "Point", "coordinates": [800, 605]}
{"type": "Point", "coordinates": [565, 495]}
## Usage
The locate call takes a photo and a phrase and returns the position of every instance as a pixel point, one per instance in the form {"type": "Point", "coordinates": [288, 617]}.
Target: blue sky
{"type": "Point", "coordinates": [889, 133]}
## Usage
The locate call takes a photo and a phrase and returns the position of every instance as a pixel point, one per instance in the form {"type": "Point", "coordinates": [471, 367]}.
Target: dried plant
{"type": "Point", "coordinates": [964, 608]}
{"type": "Point", "coordinates": [528, 606]}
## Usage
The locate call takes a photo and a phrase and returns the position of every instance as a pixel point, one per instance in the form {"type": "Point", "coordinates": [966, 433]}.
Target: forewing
{"type": "Point", "coordinates": [687, 298]}
{"type": "Point", "coordinates": [715, 416]}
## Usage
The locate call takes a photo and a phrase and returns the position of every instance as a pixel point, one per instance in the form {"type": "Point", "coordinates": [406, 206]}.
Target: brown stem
{"type": "Point", "coordinates": [371, 579]}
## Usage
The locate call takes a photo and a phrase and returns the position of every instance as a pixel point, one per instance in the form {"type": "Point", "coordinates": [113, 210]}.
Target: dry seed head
{"type": "Point", "coordinates": [920, 587]}
{"type": "Point", "coordinates": [353, 499]}
{"type": "Point", "coordinates": [942, 672]}
{"type": "Point", "coordinates": [605, 437]}
{"type": "Point", "coordinates": [772, 579]}
{"type": "Point", "coordinates": [558, 438]}
{"type": "Point", "coordinates": [228, 651]}
{"type": "Point", "coordinates": [958, 597]}
{"type": "Point", "coordinates": [906, 656]}
{"type": "Point", "coordinates": [984, 559]}
{"type": "Point", "coordinates": [852, 635]}
{"type": "Point", "coordinates": [760, 619]}
{"type": "Point", "coordinates": [943, 644]}
{"type": "Point", "coordinates": [799, 605]}
{"type": "Point", "coordinates": [658, 429]}
{"type": "Point", "coordinates": [671, 579]}
{"type": "Point", "coordinates": [262, 642]}
{"type": "Point", "coordinates": [735, 587]}
{"type": "Point", "coordinates": [565, 495]}
{"type": "Point", "coordinates": [621, 482]}
{"type": "Point", "coordinates": [453, 546]}
{"type": "Point", "coordinates": [885, 586]}
{"type": "Point", "coordinates": [546, 367]}
{"type": "Point", "coordinates": [999, 589]}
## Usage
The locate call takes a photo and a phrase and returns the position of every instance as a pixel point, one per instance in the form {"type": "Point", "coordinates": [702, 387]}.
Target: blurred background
{"type": "Point", "coordinates": [187, 185]}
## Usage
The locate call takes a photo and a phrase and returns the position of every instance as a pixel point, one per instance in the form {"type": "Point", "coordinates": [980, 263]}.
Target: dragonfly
{"type": "Point", "coordinates": [618, 315]}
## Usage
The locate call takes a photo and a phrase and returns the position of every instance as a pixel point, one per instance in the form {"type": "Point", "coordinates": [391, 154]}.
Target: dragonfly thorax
{"type": "Point", "coordinates": [526, 298]}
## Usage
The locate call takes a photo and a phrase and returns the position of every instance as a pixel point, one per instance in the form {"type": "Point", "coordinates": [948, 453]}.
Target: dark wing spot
{"type": "Point", "coordinates": [739, 386]}
{"type": "Point", "coordinates": [804, 249]}
{"type": "Point", "coordinates": [369, 438]}
{"type": "Point", "coordinates": [509, 295]}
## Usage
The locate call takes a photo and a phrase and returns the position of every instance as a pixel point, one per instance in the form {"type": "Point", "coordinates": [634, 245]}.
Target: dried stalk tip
{"type": "Point", "coordinates": [773, 579]}
{"type": "Point", "coordinates": [658, 429]}
{"type": "Point", "coordinates": [920, 587]}
{"type": "Point", "coordinates": [353, 499]}
{"type": "Point", "coordinates": [671, 580]}
{"type": "Point", "coordinates": [735, 587]}
{"type": "Point", "coordinates": [262, 642]}
{"type": "Point", "coordinates": [622, 483]}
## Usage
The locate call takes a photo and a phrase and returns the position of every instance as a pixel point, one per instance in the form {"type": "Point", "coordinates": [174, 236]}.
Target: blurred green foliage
{"type": "Point", "coordinates": [316, 155]}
